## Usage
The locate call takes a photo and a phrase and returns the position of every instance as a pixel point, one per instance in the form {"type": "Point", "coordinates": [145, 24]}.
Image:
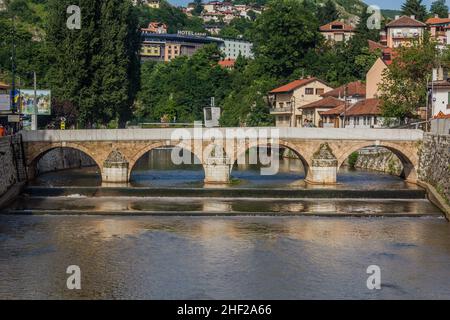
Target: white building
{"type": "Point", "coordinates": [440, 92]}
{"type": "Point", "coordinates": [233, 47]}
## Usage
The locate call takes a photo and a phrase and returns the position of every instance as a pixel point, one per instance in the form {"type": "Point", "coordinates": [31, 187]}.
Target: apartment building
{"type": "Point", "coordinates": [232, 48]}
{"type": "Point", "coordinates": [438, 28]}
{"type": "Point", "coordinates": [166, 47]}
{"type": "Point", "coordinates": [403, 30]}
{"type": "Point", "coordinates": [287, 100]}
{"type": "Point", "coordinates": [337, 31]}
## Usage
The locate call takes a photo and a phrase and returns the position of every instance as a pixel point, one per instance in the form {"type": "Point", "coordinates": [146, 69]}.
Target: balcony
{"type": "Point", "coordinates": [281, 110]}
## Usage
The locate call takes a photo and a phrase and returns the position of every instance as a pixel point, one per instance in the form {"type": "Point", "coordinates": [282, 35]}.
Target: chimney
{"type": "Point", "coordinates": [436, 15]}
{"type": "Point", "coordinates": [449, 15]}
{"type": "Point", "coordinates": [413, 17]}
{"type": "Point", "coordinates": [397, 17]}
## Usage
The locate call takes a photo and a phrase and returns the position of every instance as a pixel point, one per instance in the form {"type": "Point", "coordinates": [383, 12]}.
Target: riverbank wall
{"type": "Point", "coordinates": [434, 168]}
{"type": "Point", "coordinates": [379, 159]}
{"type": "Point", "coordinates": [13, 174]}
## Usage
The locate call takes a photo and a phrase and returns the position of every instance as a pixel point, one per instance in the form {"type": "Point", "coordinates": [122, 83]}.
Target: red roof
{"type": "Point", "coordinates": [375, 45]}
{"type": "Point", "coordinates": [335, 111]}
{"type": "Point", "coordinates": [356, 88]}
{"type": "Point", "coordinates": [228, 63]}
{"type": "Point", "coordinates": [437, 20]}
{"type": "Point", "coordinates": [405, 21]}
{"type": "Point", "coordinates": [441, 115]}
{"type": "Point", "coordinates": [291, 86]}
{"type": "Point", "coordinates": [365, 107]}
{"type": "Point", "coordinates": [336, 26]}
{"type": "Point", "coordinates": [328, 102]}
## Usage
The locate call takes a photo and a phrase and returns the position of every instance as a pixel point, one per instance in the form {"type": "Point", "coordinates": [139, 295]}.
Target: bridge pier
{"type": "Point", "coordinates": [115, 168]}
{"type": "Point", "coordinates": [324, 167]}
{"type": "Point", "coordinates": [217, 171]}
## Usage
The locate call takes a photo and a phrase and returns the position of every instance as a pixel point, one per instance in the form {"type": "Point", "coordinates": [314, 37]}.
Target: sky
{"type": "Point", "coordinates": [383, 4]}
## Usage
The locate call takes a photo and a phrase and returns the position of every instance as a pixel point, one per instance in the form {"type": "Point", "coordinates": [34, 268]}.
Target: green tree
{"type": "Point", "coordinates": [440, 8]}
{"type": "Point", "coordinates": [282, 35]}
{"type": "Point", "coordinates": [415, 8]}
{"type": "Point", "coordinates": [327, 12]}
{"type": "Point", "coordinates": [404, 85]}
{"type": "Point", "coordinates": [198, 9]}
{"type": "Point", "coordinates": [184, 86]}
{"type": "Point", "coordinates": [97, 67]}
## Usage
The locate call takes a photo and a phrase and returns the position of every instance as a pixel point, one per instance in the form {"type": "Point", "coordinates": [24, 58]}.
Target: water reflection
{"type": "Point", "coordinates": [224, 258]}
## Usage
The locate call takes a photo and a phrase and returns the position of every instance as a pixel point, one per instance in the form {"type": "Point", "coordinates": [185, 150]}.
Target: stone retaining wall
{"type": "Point", "coordinates": [435, 163]}
{"type": "Point", "coordinates": [12, 168]}
{"type": "Point", "coordinates": [382, 160]}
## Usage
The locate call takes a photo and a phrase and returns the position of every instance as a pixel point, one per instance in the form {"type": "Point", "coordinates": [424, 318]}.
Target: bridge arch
{"type": "Point", "coordinates": [166, 144]}
{"type": "Point", "coordinates": [408, 158]}
{"type": "Point", "coordinates": [33, 160]}
{"type": "Point", "coordinates": [304, 157]}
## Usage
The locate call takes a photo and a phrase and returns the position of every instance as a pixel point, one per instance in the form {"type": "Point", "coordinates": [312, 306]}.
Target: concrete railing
{"type": "Point", "coordinates": [171, 134]}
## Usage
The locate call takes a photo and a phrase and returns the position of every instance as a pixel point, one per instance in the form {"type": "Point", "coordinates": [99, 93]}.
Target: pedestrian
{"type": "Point", "coordinates": [2, 131]}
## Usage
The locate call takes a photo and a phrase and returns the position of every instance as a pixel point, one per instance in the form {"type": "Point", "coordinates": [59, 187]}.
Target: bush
{"type": "Point", "coordinates": [353, 159]}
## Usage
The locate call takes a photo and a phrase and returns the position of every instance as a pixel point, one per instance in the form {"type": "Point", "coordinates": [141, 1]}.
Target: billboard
{"type": "Point", "coordinates": [5, 102]}
{"type": "Point", "coordinates": [43, 98]}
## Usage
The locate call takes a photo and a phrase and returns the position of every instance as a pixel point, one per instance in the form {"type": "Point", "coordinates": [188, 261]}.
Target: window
{"type": "Point", "coordinates": [309, 91]}
{"type": "Point", "coordinates": [320, 91]}
{"type": "Point", "coordinates": [281, 105]}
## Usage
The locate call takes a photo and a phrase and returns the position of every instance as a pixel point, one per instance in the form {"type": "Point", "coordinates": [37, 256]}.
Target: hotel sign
{"type": "Point", "coordinates": [191, 33]}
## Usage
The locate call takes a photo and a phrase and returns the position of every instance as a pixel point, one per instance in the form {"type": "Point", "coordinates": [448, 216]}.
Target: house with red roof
{"type": "Point", "coordinates": [352, 92]}
{"type": "Point", "coordinates": [438, 28]}
{"type": "Point", "coordinates": [311, 112]}
{"type": "Point", "coordinates": [287, 100]}
{"type": "Point", "coordinates": [337, 31]}
{"type": "Point", "coordinates": [363, 114]}
{"type": "Point", "coordinates": [403, 30]}
{"type": "Point", "coordinates": [227, 64]}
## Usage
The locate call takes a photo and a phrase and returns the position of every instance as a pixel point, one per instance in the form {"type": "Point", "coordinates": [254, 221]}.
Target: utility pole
{"type": "Point", "coordinates": [35, 110]}
{"type": "Point", "coordinates": [13, 65]}
{"type": "Point", "coordinates": [345, 105]}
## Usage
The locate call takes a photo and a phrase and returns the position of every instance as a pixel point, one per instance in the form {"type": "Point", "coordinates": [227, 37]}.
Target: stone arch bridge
{"type": "Point", "coordinates": [322, 151]}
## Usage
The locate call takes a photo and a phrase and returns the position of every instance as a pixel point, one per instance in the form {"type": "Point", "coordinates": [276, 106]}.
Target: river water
{"type": "Point", "coordinates": [134, 242]}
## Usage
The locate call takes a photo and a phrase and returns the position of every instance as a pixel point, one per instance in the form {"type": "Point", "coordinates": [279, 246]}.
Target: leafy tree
{"type": "Point", "coordinates": [95, 68]}
{"type": "Point", "coordinates": [184, 88]}
{"type": "Point", "coordinates": [416, 8]}
{"type": "Point", "coordinates": [440, 8]}
{"type": "Point", "coordinates": [282, 35]}
{"type": "Point", "coordinates": [198, 9]}
{"type": "Point", "coordinates": [327, 12]}
{"type": "Point", "coordinates": [362, 32]}
{"type": "Point", "coordinates": [404, 86]}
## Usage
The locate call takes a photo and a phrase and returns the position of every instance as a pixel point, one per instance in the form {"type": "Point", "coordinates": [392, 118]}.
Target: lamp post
{"type": "Point", "coordinates": [345, 105]}
{"type": "Point", "coordinates": [35, 110]}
